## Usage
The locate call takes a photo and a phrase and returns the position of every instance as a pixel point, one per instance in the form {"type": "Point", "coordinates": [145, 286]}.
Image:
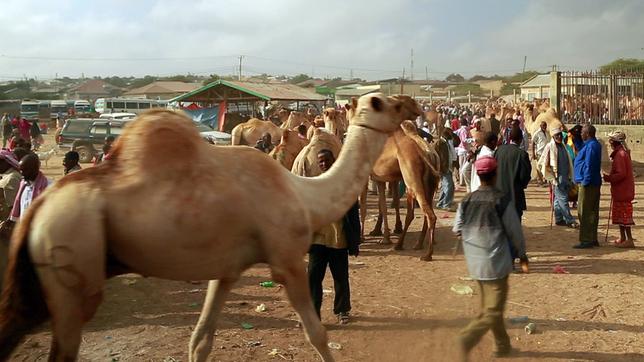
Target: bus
{"type": "Point", "coordinates": [126, 105]}
{"type": "Point", "coordinates": [29, 109]}
{"type": "Point", "coordinates": [58, 107]}
{"type": "Point", "coordinates": [82, 106]}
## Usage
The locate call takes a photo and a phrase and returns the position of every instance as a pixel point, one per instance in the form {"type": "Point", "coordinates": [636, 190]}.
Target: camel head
{"type": "Point", "coordinates": [382, 114]}
{"type": "Point", "coordinates": [410, 108]}
{"type": "Point", "coordinates": [332, 122]}
{"type": "Point", "coordinates": [289, 147]}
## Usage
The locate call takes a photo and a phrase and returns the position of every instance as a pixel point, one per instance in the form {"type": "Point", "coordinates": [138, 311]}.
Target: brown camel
{"type": "Point", "coordinates": [177, 228]}
{"type": "Point", "coordinates": [294, 120]}
{"type": "Point", "coordinates": [290, 146]}
{"type": "Point", "coordinates": [249, 132]}
{"type": "Point", "coordinates": [306, 162]}
{"type": "Point", "coordinates": [407, 157]}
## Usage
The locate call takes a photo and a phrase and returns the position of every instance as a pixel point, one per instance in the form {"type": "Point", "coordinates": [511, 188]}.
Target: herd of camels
{"type": "Point", "coordinates": [161, 179]}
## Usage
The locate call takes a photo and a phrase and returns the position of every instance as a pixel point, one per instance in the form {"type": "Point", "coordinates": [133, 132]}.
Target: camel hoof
{"type": "Point", "coordinates": [426, 258]}
{"type": "Point", "coordinates": [398, 247]}
{"type": "Point", "coordinates": [375, 233]}
{"type": "Point", "coordinates": [418, 247]}
{"type": "Point", "coordinates": [398, 230]}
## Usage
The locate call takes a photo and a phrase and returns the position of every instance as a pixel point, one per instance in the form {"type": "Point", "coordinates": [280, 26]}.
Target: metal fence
{"type": "Point", "coordinates": [602, 98]}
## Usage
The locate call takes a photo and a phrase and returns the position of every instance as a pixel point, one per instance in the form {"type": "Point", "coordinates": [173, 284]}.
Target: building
{"type": "Point", "coordinates": [162, 90]}
{"type": "Point", "coordinates": [92, 89]}
{"type": "Point", "coordinates": [537, 87]}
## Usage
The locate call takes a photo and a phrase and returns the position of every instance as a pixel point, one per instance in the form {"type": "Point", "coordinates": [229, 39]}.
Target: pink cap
{"type": "Point", "coordinates": [485, 165]}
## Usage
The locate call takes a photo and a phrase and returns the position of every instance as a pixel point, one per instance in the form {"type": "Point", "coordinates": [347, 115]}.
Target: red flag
{"type": "Point", "coordinates": [221, 117]}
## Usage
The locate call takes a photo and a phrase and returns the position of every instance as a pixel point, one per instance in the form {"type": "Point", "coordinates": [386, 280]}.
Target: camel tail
{"type": "Point", "coordinates": [22, 303]}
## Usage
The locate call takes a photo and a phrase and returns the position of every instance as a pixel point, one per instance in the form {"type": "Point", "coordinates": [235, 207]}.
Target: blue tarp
{"type": "Point", "coordinates": [207, 116]}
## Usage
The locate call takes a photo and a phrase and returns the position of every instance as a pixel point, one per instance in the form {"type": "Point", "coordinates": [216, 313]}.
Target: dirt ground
{"type": "Point", "coordinates": [403, 308]}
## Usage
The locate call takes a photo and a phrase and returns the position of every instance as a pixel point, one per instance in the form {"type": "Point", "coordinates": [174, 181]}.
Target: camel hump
{"type": "Point", "coordinates": [158, 139]}
{"type": "Point", "coordinates": [425, 151]}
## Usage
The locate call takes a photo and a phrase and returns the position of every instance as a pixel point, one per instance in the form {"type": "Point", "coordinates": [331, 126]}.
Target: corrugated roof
{"type": "Point", "coordinates": [354, 92]}
{"type": "Point", "coordinates": [540, 80]}
{"type": "Point", "coordinates": [247, 91]}
{"type": "Point", "coordinates": [164, 87]}
{"type": "Point", "coordinates": [93, 86]}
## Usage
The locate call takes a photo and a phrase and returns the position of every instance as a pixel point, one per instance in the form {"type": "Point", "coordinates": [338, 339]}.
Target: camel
{"type": "Point", "coordinates": [176, 227]}
{"type": "Point", "coordinates": [332, 120]}
{"type": "Point", "coordinates": [294, 120]}
{"type": "Point", "coordinates": [306, 162]}
{"type": "Point", "coordinates": [249, 132]}
{"type": "Point", "coordinates": [290, 146]}
{"type": "Point", "coordinates": [279, 116]}
{"type": "Point", "coordinates": [549, 116]}
{"type": "Point", "coordinates": [407, 157]}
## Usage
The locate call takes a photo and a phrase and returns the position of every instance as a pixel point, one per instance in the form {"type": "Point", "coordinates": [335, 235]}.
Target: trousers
{"type": "Point", "coordinates": [338, 261]}
{"type": "Point", "coordinates": [588, 208]}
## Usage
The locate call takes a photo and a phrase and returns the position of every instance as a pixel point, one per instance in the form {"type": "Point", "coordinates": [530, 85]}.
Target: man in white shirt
{"type": "Point", "coordinates": [539, 142]}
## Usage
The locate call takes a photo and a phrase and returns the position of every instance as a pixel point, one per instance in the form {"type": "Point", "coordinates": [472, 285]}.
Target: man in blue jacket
{"type": "Point", "coordinates": [588, 176]}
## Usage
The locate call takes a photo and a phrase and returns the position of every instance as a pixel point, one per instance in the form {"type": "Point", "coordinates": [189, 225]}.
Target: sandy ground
{"type": "Point", "coordinates": [403, 308]}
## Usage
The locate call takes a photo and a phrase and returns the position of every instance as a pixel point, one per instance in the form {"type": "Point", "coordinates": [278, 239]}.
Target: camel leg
{"type": "Point", "coordinates": [396, 205]}
{"type": "Point", "coordinates": [409, 217]}
{"type": "Point", "coordinates": [377, 228]}
{"type": "Point", "coordinates": [297, 290]}
{"type": "Point", "coordinates": [382, 205]}
{"type": "Point", "coordinates": [431, 220]}
{"type": "Point", "coordinates": [70, 310]}
{"type": "Point", "coordinates": [421, 237]}
{"type": "Point", "coordinates": [203, 335]}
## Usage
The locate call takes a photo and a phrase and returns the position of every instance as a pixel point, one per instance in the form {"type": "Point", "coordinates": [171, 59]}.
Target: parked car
{"type": "Point", "coordinates": [117, 116]}
{"type": "Point", "coordinates": [87, 135]}
{"type": "Point", "coordinates": [214, 137]}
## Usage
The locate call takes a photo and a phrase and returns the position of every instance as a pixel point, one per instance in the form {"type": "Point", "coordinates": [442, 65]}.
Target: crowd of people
{"type": "Point", "coordinates": [18, 132]}
{"type": "Point", "coordinates": [496, 169]}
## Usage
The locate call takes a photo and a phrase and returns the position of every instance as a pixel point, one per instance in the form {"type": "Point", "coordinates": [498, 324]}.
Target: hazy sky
{"type": "Point", "coordinates": [326, 38]}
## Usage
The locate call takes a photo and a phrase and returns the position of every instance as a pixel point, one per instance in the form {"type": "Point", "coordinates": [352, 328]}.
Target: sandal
{"type": "Point", "coordinates": [573, 225]}
{"type": "Point", "coordinates": [343, 318]}
{"type": "Point", "coordinates": [626, 244]}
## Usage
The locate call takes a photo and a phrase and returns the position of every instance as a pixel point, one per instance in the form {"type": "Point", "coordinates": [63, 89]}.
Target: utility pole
{"type": "Point", "coordinates": [351, 74]}
{"type": "Point", "coordinates": [427, 74]}
{"type": "Point", "coordinates": [412, 64]}
{"type": "Point", "coordinates": [401, 81]}
{"type": "Point", "coordinates": [525, 60]}
{"type": "Point", "coordinates": [240, 67]}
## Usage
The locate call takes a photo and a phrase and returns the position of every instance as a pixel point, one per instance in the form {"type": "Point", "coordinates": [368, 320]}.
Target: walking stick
{"type": "Point", "coordinates": [552, 207]}
{"type": "Point", "coordinates": [610, 211]}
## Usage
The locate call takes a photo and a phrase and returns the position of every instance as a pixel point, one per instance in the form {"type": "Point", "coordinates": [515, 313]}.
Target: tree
{"type": "Point", "coordinates": [299, 78]}
{"type": "Point", "coordinates": [211, 78]}
{"type": "Point", "coordinates": [622, 65]}
{"type": "Point", "coordinates": [137, 83]}
{"type": "Point", "coordinates": [455, 78]}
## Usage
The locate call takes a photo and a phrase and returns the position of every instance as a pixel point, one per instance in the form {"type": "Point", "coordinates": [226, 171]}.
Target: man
{"type": "Point", "coordinates": [477, 133]}
{"type": "Point", "coordinates": [588, 176]}
{"type": "Point", "coordinates": [7, 129]}
{"type": "Point", "coordinates": [486, 150]}
{"type": "Point", "coordinates": [70, 162]}
{"type": "Point", "coordinates": [446, 148]}
{"type": "Point", "coordinates": [514, 170]}
{"type": "Point", "coordinates": [9, 182]}
{"type": "Point", "coordinates": [462, 150]}
{"type": "Point", "coordinates": [556, 167]}
{"type": "Point", "coordinates": [265, 143]}
{"type": "Point", "coordinates": [36, 135]}
{"type": "Point", "coordinates": [622, 189]}
{"type": "Point", "coordinates": [107, 148]}
{"type": "Point", "coordinates": [332, 245]}
{"type": "Point", "coordinates": [505, 137]}
{"type": "Point", "coordinates": [487, 223]}
{"type": "Point", "coordinates": [539, 142]}
{"type": "Point", "coordinates": [495, 125]}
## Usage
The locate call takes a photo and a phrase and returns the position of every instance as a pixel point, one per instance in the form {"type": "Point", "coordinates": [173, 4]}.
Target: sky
{"type": "Point", "coordinates": [332, 38]}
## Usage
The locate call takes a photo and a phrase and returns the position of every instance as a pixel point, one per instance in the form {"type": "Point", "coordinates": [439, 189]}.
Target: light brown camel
{"type": "Point", "coordinates": [294, 120]}
{"type": "Point", "coordinates": [332, 121]}
{"type": "Point", "coordinates": [163, 219]}
{"type": "Point", "coordinates": [306, 162]}
{"type": "Point", "coordinates": [549, 116]}
{"type": "Point", "coordinates": [249, 132]}
{"type": "Point", "coordinates": [290, 146]}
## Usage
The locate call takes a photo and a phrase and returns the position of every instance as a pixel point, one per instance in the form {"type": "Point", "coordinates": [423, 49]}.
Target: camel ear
{"type": "Point", "coordinates": [326, 113]}
{"type": "Point", "coordinates": [376, 104]}
{"type": "Point", "coordinates": [354, 103]}
{"type": "Point", "coordinates": [347, 106]}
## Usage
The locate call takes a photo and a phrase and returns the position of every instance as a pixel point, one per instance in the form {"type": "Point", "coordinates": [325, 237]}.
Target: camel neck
{"type": "Point", "coordinates": [330, 195]}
